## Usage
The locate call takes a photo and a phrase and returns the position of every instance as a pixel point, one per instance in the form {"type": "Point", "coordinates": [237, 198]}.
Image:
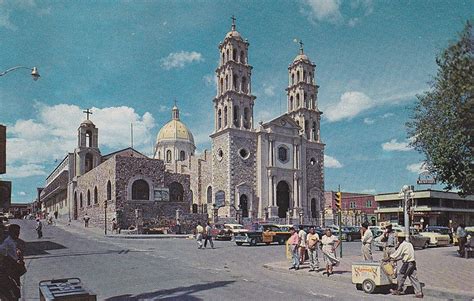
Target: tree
{"type": "Point", "coordinates": [442, 125]}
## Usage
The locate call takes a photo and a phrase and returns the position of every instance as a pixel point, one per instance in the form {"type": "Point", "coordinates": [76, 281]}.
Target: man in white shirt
{"type": "Point", "coordinates": [406, 254]}
{"type": "Point", "coordinates": [302, 244]}
{"type": "Point", "coordinates": [367, 237]}
{"type": "Point", "coordinates": [199, 233]}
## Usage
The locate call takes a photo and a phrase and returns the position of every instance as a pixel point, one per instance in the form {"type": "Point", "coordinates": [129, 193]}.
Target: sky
{"type": "Point", "coordinates": [129, 60]}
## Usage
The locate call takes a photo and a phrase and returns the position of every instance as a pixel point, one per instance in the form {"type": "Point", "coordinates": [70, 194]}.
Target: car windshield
{"type": "Point", "coordinates": [441, 231]}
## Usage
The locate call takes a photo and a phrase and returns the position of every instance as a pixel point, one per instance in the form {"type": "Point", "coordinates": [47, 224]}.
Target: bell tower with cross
{"type": "Point", "coordinates": [87, 153]}
{"type": "Point", "coordinates": [302, 95]}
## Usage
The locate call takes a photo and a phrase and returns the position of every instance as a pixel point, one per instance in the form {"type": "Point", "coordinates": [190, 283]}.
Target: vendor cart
{"type": "Point", "coordinates": [369, 275]}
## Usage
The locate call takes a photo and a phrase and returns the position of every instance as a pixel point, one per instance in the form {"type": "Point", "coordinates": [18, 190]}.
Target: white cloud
{"type": "Point", "coordinates": [350, 104]}
{"type": "Point", "coordinates": [324, 10]}
{"type": "Point", "coordinates": [32, 143]}
{"type": "Point", "coordinates": [353, 22]}
{"type": "Point", "coordinates": [387, 115]}
{"type": "Point", "coordinates": [180, 59]}
{"type": "Point", "coordinates": [24, 171]}
{"type": "Point", "coordinates": [210, 80]}
{"type": "Point", "coordinates": [163, 108]}
{"type": "Point", "coordinates": [331, 162]}
{"type": "Point", "coordinates": [269, 90]}
{"type": "Point", "coordinates": [417, 167]}
{"type": "Point", "coordinates": [369, 191]}
{"type": "Point", "coordinates": [22, 193]}
{"type": "Point", "coordinates": [369, 121]}
{"type": "Point", "coordinates": [394, 145]}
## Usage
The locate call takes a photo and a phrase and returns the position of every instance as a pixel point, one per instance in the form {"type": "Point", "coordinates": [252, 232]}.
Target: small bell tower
{"type": "Point", "coordinates": [87, 152]}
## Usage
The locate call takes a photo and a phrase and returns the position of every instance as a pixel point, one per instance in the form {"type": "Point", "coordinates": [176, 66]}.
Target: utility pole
{"type": "Point", "coordinates": [340, 220]}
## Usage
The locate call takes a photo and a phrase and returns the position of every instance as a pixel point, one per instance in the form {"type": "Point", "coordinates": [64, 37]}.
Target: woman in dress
{"type": "Point", "coordinates": [329, 244]}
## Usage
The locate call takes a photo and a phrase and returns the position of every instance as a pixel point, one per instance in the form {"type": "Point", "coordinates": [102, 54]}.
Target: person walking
{"type": "Point", "coordinates": [312, 240]}
{"type": "Point", "coordinates": [199, 233]}
{"type": "Point", "coordinates": [406, 254]}
{"type": "Point", "coordinates": [302, 244]}
{"type": "Point", "coordinates": [390, 241]}
{"type": "Point", "coordinates": [56, 214]}
{"type": "Point", "coordinates": [114, 226]}
{"type": "Point", "coordinates": [462, 239]}
{"type": "Point", "coordinates": [208, 236]}
{"type": "Point", "coordinates": [39, 228]}
{"type": "Point", "coordinates": [13, 266]}
{"type": "Point", "coordinates": [86, 220]}
{"type": "Point", "coordinates": [294, 244]}
{"type": "Point", "coordinates": [367, 237]}
{"type": "Point", "coordinates": [329, 245]}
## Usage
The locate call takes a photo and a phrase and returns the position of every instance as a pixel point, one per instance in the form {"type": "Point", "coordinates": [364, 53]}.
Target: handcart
{"type": "Point", "coordinates": [70, 289]}
{"type": "Point", "coordinates": [369, 275]}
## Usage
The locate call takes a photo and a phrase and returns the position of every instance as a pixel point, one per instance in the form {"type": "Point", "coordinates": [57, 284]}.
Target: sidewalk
{"type": "Point", "coordinates": [444, 274]}
{"type": "Point", "coordinates": [78, 227]}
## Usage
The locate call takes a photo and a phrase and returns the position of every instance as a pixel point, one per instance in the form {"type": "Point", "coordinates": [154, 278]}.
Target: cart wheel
{"type": "Point", "coordinates": [253, 242]}
{"type": "Point", "coordinates": [368, 286]}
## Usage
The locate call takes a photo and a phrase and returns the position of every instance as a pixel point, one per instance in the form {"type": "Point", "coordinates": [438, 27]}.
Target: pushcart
{"type": "Point", "coordinates": [369, 275]}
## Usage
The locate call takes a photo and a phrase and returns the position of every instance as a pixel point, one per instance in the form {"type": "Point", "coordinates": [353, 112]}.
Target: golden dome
{"type": "Point", "coordinates": [175, 130]}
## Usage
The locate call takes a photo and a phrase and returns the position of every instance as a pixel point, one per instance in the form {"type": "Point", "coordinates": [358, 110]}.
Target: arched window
{"type": "Point", "coordinates": [304, 75]}
{"type": "Point", "coordinates": [228, 56]}
{"type": "Point", "coordinates": [292, 78]}
{"type": "Point", "coordinates": [88, 197]}
{"type": "Point", "coordinates": [140, 190]}
{"type": "Point", "coordinates": [219, 119]}
{"type": "Point", "coordinates": [88, 162]}
{"type": "Point", "coordinates": [314, 210]}
{"type": "Point", "coordinates": [244, 86]}
{"type": "Point", "coordinates": [236, 116]}
{"type": "Point", "coordinates": [225, 116]}
{"type": "Point", "coordinates": [234, 55]}
{"type": "Point", "coordinates": [246, 118]}
{"type": "Point", "coordinates": [222, 86]}
{"type": "Point", "coordinates": [168, 156]}
{"type": "Point", "coordinates": [176, 192]}
{"type": "Point", "coordinates": [283, 154]}
{"type": "Point", "coordinates": [314, 130]}
{"type": "Point", "coordinates": [227, 82]}
{"type": "Point", "coordinates": [96, 196]}
{"type": "Point", "coordinates": [297, 100]}
{"type": "Point", "coordinates": [297, 77]}
{"type": "Point", "coordinates": [81, 204]}
{"type": "Point", "coordinates": [242, 57]}
{"type": "Point", "coordinates": [223, 58]}
{"type": "Point", "coordinates": [209, 195]}
{"type": "Point", "coordinates": [244, 206]}
{"type": "Point", "coordinates": [88, 139]}
{"type": "Point", "coordinates": [182, 155]}
{"type": "Point", "coordinates": [306, 128]}
{"type": "Point", "coordinates": [310, 78]}
{"type": "Point", "coordinates": [109, 190]}
{"type": "Point", "coordinates": [291, 103]}
{"type": "Point", "coordinates": [195, 208]}
{"type": "Point", "coordinates": [234, 81]}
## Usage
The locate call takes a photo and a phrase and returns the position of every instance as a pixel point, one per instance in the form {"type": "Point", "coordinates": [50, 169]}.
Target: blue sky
{"type": "Point", "coordinates": [128, 60]}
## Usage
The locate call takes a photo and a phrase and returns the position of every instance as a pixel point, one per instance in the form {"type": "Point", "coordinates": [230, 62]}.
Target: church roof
{"type": "Point", "coordinates": [175, 130]}
{"type": "Point", "coordinates": [234, 34]}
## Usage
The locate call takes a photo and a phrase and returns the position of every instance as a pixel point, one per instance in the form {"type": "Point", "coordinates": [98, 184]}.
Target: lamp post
{"type": "Point", "coordinates": [105, 217]}
{"type": "Point", "coordinates": [406, 192]}
{"type": "Point", "coordinates": [34, 71]}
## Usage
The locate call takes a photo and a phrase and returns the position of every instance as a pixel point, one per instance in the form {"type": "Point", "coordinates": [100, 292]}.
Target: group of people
{"type": "Point", "coordinates": [204, 233]}
{"type": "Point", "coordinates": [12, 264]}
{"type": "Point", "coordinates": [301, 241]}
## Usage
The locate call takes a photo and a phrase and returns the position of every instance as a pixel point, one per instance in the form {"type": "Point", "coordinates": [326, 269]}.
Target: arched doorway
{"type": "Point", "coordinates": [75, 206]}
{"type": "Point", "coordinates": [314, 212]}
{"type": "Point", "coordinates": [140, 190]}
{"type": "Point", "coordinates": [176, 192]}
{"type": "Point", "coordinates": [244, 205]}
{"type": "Point", "coordinates": [283, 198]}
{"type": "Point", "coordinates": [209, 195]}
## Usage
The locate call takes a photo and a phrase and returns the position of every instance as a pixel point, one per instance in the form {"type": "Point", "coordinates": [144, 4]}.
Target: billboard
{"type": "Point", "coordinates": [5, 194]}
{"type": "Point", "coordinates": [3, 149]}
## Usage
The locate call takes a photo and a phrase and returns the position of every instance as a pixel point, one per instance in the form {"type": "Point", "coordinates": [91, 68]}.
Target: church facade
{"type": "Point", "coordinates": [272, 170]}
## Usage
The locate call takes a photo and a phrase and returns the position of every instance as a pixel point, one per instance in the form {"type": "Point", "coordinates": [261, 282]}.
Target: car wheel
{"type": "Point", "coordinates": [253, 242]}
{"type": "Point", "coordinates": [349, 238]}
{"type": "Point", "coordinates": [368, 286]}
{"type": "Point", "coordinates": [281, 241]}
{"type": "Point", "coordinates": [380, 249]}
{"type": "Point", "coordinates": [239, 243]}
{"type": "Point", "coordinates": [425, 245]}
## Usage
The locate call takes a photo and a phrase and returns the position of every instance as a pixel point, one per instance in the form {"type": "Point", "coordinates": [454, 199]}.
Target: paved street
{"type": "Point", "coordinates": [131, 269]}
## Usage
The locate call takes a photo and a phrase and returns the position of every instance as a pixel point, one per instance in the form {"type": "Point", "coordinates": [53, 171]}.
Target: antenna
{"type": "Point", "coordinates": [131, 134]}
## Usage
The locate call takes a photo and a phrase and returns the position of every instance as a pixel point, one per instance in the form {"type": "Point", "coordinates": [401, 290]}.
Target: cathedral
{"type": "Point", "coordinates": [266, 171]}
{"type": "Point", "coordinates": [270, 171]}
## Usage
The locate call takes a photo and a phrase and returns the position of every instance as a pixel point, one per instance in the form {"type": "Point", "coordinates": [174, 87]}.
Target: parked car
{"type": "Point", "coordinates": [351, 233]}
{"type": "Point", "coordinates": [376, 231]}
{"type": "Point", "coordinates": [267, 233]}
{"type": "Point", "coordinates": [439, 236]}
{"type": "Point", "coordinates": [417, 240]}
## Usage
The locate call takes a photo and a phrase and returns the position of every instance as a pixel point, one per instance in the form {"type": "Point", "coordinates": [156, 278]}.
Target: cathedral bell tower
{"type": "Point", "coordinates": [87, 153]}
{"type": "Point", "coordinates": [302, 94]}
{"type": "Point", "coordinates": [234, 102]}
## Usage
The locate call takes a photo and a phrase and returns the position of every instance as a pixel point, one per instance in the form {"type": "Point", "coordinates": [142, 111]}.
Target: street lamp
{"type": "Point", "coordinates": [406, 192]}
{"type": "Point", "coordinates": [34, 71]}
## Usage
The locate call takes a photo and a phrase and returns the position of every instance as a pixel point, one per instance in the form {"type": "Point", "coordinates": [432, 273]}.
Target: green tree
{"type": "Point", "coordinates": [442, 125]}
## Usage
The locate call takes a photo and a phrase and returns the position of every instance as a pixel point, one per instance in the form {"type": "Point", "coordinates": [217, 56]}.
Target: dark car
{"type": "Point", "coordinates": [351, 233]}
{"type": "Point", "coordinates": [267, 233]}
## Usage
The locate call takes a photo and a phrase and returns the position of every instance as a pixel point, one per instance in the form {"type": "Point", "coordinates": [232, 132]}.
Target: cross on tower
{"type": "Point", "coordinates": [301, 46]}
{"type": "Point", "coordinates": [233, 22]}
{"type": "Point", "coordinates": [88, 112]}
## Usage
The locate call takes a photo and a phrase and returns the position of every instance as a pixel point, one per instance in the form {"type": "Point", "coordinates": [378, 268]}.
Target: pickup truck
{"type": "Point", "coordinates": [267, 234]}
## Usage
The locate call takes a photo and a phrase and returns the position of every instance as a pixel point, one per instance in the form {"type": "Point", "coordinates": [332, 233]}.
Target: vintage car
{"type": "Point", "coordinates": [351, 233]}
{"type": "Point", "coordinates": [267, 233]}
{"type": "Point", "coordinates": [226, 231]}
{"type": "Point", "coordinates": [439, 236]}
{"type": "Point", "coordinates": [376, 231]}
{"type": "Point", "coordinates": [416, 239]}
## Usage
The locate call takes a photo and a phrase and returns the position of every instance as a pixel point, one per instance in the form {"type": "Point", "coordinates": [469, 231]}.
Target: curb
{"type": "Point", "coordinates": [149, 236]}
{"type": "Point", "coordinates": [437, 292]}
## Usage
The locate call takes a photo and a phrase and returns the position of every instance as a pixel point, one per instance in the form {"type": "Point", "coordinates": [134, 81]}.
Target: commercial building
{"type": "Point", "coordinates": [356, 208]}
{"type": "Point", "coordinates": [433, 207]}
